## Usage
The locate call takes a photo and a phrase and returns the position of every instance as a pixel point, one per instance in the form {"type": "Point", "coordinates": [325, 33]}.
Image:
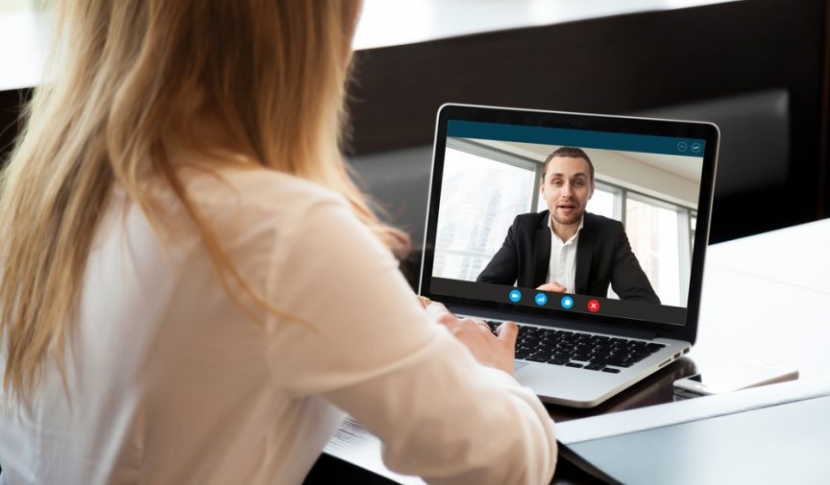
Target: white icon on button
{"type": "Point", "coordinates": [695, 147]}
{"type": "Point", "coordinates": [682, 146]}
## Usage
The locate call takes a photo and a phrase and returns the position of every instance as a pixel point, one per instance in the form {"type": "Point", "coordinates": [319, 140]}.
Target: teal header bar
{"type": "Point", "coordinates": [689, 147]}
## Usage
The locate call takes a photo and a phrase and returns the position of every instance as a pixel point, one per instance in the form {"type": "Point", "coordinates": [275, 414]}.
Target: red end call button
{"type": "Point", "coordinates": [593, 306]}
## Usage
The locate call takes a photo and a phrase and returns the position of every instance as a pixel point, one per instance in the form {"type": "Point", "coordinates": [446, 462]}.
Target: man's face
{"type": "Point", "coordinates": [567, 188]}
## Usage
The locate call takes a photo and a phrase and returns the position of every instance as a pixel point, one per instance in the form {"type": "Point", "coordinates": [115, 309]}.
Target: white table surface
{"type": "Point", "coordinates": [768, 297]}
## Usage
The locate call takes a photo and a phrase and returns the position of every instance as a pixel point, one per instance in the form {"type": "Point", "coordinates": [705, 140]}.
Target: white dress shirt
{"type": "Point", "coordinates": [171, 383]}
{"type": "Point", "coordinates": [562, 264]}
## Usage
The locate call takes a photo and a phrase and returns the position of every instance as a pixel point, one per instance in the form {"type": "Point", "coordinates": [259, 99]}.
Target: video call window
{"type": "Point", "coordinates": [487, 183]}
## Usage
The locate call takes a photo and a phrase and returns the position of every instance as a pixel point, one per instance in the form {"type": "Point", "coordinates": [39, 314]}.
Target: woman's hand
{"type": "Point", "coordinates": [492, 351]}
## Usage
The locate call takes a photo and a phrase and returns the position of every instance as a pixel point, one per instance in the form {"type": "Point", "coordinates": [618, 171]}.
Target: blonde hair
{"type": "Point", "coordinates": [271, 73]}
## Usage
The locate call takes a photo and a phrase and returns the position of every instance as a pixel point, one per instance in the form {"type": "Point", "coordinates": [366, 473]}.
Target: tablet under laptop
{"type": "Point", "coordinates": [589, 231]}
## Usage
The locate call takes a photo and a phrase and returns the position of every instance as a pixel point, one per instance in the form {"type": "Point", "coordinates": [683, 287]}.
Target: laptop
{"type": "Point", "coordinates": [597, 254]}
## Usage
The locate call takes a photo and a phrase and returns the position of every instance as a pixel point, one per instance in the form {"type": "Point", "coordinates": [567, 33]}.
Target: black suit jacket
{"type": "Point", "coordinates": [603, 258]}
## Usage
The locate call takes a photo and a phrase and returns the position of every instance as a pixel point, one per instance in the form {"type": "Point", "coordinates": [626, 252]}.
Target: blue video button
{"type": "Point", "coordinates": [540, 299]}
{"type": "Point", "coordinates": [515, 296]}
{"type": "Point", "coordinates": [567, 302]}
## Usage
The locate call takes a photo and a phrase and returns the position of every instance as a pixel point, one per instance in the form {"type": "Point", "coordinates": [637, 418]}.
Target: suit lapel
{"type": "Point", "coordinates": [541, 251]}
{"type": "Point", "coordinates": [584, 254]}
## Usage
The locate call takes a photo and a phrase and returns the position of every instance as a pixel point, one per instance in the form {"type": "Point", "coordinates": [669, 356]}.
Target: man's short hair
{"type": "Point", "coordinates": [570, 152]}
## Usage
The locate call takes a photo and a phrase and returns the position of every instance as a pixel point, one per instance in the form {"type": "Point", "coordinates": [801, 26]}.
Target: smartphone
{"type": "Point", "coordinates": [732, 378]}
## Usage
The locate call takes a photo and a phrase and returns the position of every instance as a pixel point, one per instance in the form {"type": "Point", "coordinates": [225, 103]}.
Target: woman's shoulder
{"type": "Point", "coordinates": [257, 188]}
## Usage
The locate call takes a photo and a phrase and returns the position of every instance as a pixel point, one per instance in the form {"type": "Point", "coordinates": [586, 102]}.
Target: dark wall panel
{"type": "Point", "coordinates": [10, 104]}
{"type": "Point", "coordinates": [617, 65]}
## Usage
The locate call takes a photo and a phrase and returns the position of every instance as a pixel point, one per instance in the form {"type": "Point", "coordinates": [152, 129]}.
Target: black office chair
{"type": "Point", "coordinates": [754, 159]}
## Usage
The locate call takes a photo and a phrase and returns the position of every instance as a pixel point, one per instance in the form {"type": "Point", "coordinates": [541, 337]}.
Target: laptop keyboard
{"type": "Point", "coordinates": [580, 350]}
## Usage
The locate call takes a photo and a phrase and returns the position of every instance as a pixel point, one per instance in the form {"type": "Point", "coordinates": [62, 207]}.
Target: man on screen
{"type": "Point", "coordinates": [565, 249]}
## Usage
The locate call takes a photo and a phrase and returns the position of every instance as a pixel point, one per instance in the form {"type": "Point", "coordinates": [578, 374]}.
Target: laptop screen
{"type": "Point", "coordinates": [576, 216]}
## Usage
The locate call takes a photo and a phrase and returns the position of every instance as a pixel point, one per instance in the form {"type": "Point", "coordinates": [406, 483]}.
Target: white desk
{"type": "Point", "coordinates": [768, 297]}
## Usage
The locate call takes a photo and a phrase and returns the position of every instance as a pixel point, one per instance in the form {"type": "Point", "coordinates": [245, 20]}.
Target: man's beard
{"type": "Point", "coordinates": [568, 219]}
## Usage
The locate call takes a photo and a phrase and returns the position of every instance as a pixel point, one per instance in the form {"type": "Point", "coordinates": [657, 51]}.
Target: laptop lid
{"type": "Point", "coordinates": [486, 206]}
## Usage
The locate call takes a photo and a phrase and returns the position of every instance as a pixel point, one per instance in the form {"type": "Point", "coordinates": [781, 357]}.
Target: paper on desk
{"type": "Point", "coordinates": [354, 444]}
{"type": "Point", "coordinates": [623, 422]}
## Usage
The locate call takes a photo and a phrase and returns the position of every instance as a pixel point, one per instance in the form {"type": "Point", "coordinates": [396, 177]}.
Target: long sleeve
{"type": "Point", "coordinates": [362, 341]}
{"type": "Point", "coordinates": [627, 277]}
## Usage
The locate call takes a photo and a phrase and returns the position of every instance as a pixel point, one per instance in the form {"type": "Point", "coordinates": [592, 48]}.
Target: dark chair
{"type": "Point", "coordinates": [753, 166]}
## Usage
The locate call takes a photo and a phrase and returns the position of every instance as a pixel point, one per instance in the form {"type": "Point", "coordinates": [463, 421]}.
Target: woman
{"type": "Point", "coordinates": [192, 289]}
